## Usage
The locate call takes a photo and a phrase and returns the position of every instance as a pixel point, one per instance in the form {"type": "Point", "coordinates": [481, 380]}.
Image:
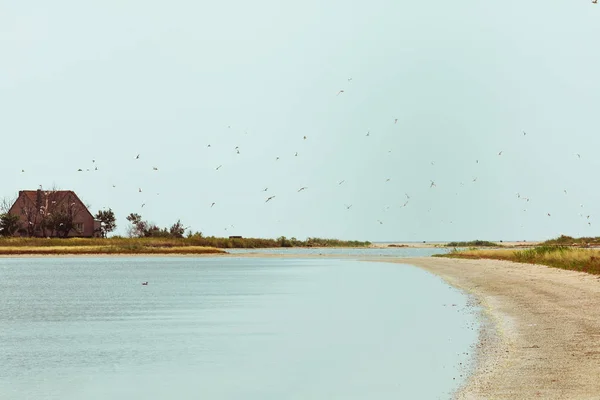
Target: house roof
{"type": "Point", "coordinates": [51, 195]}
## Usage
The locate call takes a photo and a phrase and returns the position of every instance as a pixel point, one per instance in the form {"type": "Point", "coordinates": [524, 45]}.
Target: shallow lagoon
{"type": "Point", "coordinates": [229, 328]}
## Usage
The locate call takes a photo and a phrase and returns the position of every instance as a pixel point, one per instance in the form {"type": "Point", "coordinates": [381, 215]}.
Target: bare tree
{"type": "Point", "coordinates": [6, 203]}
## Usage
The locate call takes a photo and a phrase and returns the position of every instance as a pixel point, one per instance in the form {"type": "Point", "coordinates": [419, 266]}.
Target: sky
{"type": "Point", "coordinates": [82, 81]}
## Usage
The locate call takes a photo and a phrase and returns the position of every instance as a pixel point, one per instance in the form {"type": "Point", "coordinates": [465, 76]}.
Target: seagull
{"type": "Point", "coordinates": [432, 184]}
{"type": "Point", "coordinates": [340, 182]}
{"type": "Point", "coordinates": [140, 190]}
{"type": "Point", "coordinates": [155, 168]}
{"type": "Point", "coordinates": [395, 120]}
{"type": "Point", "coordinates": [549, 214]}
{"type": "Point", "coordinates": [500, 153]}
{"type": "Point", "coordinates": [79, 170]}
{"type": "Point", "coordinates": [114, 185]}
{"type": "Point", "coordinates": [341, 91]}
{"type": "Point", "coordinates": [208, 145]}
{"type": "Point", "coordinates": [143, 204]}
{"type": "Point", "coordinates": [475, 179]}
{"type": "Point", "coordinates": [277, 159]}
{"type": "Point", "coordinates": [302, 188]}
{"type": "Point", "coordinates": [476, 161]}
{"type": "Point", "coordinates": [565, 191]}
{"type": "Point", "coordinates": [348, 207]}
{"type": "Point", "coordinates": [380, 223]}
{"type": "Point", "coordinates": [96, 169]}
{"type": "Point", "coordinates": [22, 170]}
{"type": "Point", "coordinates": [349, 79]}
{"type": "Point", "coordinates": [296, 155]}
{"type": "Point", "coordinates": [218, 167]}
{"type": "Point", "coordinates": [304, 137]}
{"type": "Point", "coordinates": [93, 160]}
{"type": "Point", "coordinates": [578, 155]}
{"type": "Point", "coordinates": [212, 204]}
{"type": "Point", "coordinates": [368, 133]}
{"type": "Point", "coordinates": [269, 198]}
{"type": "Point", "coordinates": [524, 133]}
{"type": "Point", "coordinates": [388, 179]}
{"type": "Point", "coordinates": [265, 189]}
{"type": "Point", "coordinates": [138, 156]}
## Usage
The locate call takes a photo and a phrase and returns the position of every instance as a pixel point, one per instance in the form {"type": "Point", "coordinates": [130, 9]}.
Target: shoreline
{"type": "Point", "coordinates": [540, 328]}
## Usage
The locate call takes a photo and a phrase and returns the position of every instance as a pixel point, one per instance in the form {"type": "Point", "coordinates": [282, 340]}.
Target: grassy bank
{"type": "Point", "coordinates": [575, 259]}
{"type": "Point", "coordinates": [571, 241]}
{"type": "Point", "coordinates": [150, 245]}
{"type": "Point", "coordinates": [66, 250]}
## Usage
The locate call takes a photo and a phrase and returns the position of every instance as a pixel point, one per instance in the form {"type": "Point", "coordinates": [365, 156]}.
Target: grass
{"type": "Point", "coordinates": [564, 240]}
{"type": "Point", "coordinates": [473, 243]}
{"type": "Point", "coordinates": [58, 250]}
{"type": "Point", "coordinates": [575, 259]}
{"type": "Point", "coordinates": [120, 245]}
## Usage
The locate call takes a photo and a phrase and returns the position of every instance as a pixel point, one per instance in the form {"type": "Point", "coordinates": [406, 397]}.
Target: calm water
{"type": "Point", "coordinates": [383, 252]}
{"type": "Point", "coordinates": [228, 328]}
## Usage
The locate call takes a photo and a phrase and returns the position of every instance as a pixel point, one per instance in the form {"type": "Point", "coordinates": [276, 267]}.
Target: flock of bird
{"type": "Point", "coordinates": [270, 197]}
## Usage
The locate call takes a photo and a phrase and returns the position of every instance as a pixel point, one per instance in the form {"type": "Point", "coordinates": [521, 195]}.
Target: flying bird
{"type": "Point", "coordinates": [143, 204]}
{"type": "Point", "coordinates": [500, 153]}
{"type": "Point", "coordinates": [395, 120]}
{"type": "Point", "coordinates": [155, 168]}
{"type": "Point", "coordinates": [340, 92]}
{"type": "Point", "coordinates": [139, 190]}
{"type": "Point", "coordinates": [296, 155]}
{"type": "Point", "coordinates": [348, 206]}
{"type": "Point", "coordinates": [302, 188]}
{"type": "Point", "coordinates": [138, 156]}
{"type": "Point", "coordinates": [212, 204]}
{"type": "Point", "coordinates": [349, 79]}
{"type": "Point", "coordinates": [578, 155]}
{"type": "Point", "coordinates": [388, 179]}
{"type": "Point", "coordinates": [432, 184]}
{"type": "Point", "coordinates": [269, 198]}
{"type": "Point", "coordinates": [218, 167]}
{"type": "Point", "coordinates": [368, 133]}
{"type": "Point", "coordinates": [304, 137]}
{"type": "Point", "coordinates": [265, 189]}
{"type": "Point", "coordinates": [380, 222]}
{"type": "Point", "coordinates": [276, 159]}
{"type": "Point", "coordinates": [79, 170]}
{"type": "Point", "coordinates": [340, 182]}
{"type": "Point", "coordinates": [524, 133]}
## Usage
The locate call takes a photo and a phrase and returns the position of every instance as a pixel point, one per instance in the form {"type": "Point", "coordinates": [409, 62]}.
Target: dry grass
{"type": "Point", "coordinates": [58, 250]}
{"type": "Point", "coordinates": [576, 259]}
{"type": "Point", "coordinates": [196, 241]}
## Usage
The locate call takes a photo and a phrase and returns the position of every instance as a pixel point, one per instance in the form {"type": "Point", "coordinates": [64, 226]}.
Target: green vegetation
{"type": "Point", "coordinates": [564, 257]}
{"type": "Point", "coordinates": [473, 243]}
{"type": "Point", "coordinates": [192, 244]}
{"type": "Point", "coordinates": [571, 241]}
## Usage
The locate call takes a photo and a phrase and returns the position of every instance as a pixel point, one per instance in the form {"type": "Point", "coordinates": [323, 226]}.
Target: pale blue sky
{"type": "Point", "coordinates": [107, 81]}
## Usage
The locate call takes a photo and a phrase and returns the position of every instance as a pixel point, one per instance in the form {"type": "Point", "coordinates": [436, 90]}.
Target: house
{"type": "Point", "coordinates": [53, 213]}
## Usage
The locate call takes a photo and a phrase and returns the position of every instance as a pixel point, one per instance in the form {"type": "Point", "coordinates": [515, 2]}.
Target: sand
{"type": "Point", "coordinates": [541, 339]}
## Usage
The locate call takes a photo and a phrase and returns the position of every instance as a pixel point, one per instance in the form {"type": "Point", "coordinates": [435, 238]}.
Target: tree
{"type": "Point", "coordinates": [138, 227]}
{"type": "Point", "coordinates": [9, 224]}
{"type": "Point", "coordinates": [6, 203]}
{"type": "Point", "coordinates": [107, 221]}
{"type": "Point", "coordinates": [177, 229]}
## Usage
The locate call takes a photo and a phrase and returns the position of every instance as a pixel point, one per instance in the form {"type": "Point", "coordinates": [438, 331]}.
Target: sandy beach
{"type": "Point", "coordinates": [541, 336]}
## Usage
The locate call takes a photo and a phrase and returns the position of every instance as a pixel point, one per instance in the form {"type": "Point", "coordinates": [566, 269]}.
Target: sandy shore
{"type": "Point", "coordinates": [542, 337]}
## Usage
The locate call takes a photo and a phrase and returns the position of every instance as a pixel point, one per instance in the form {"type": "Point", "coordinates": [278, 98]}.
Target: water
{"type": "Point", "coordinates": [371, 251]}
{"type": "Point", "coordinates": [228, 328]}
